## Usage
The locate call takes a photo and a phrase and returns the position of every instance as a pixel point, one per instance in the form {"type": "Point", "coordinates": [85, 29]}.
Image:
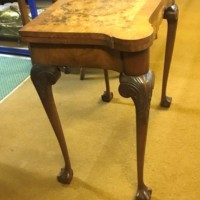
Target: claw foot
{"type": "Point", "coordinates": [107, 97]}
{"type": "Point", "coordinates": [65, 176]}
{"type": "Point", "coordinates": [143, 193]}
{"type": "Point", "coordinates": [166, 102]}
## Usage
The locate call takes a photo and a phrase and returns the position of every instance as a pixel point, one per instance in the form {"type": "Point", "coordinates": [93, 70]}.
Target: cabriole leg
{"type": "Point", "coordinates": [43, 77]}
{"type": "Point", "coordinates": [107, 95]}
{"type": "Point", "coordinates": [139, 88]}
{"type": "Point", "coordinates": [171, 15]}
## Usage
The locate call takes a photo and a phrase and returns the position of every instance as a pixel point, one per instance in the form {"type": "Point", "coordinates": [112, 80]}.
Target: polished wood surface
{"type": "Point", "coordinates": [125, 25]}
{"type": "Point", "coordinates": [114, 35]}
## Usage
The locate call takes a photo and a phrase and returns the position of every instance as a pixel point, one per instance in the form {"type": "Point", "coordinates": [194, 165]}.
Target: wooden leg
{"type": "Point", "coordinates": [43, 77]}
{"type": "Point", "coordinates": [107, 95]}
{"type": "Point", "coordinates": [171, 15]}
{"type": "Point", "coordinates": [139, 88]}
{"type": "Point", "coordinates": [82, 73]}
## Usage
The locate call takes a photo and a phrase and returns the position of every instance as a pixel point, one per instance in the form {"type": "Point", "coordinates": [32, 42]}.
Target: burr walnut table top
{"type": "Point", "coordinates": [128, 25]}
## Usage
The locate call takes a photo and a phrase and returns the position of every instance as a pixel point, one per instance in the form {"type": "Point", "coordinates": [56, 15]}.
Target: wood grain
{"type": "Point", "coordinates": [123, 25]}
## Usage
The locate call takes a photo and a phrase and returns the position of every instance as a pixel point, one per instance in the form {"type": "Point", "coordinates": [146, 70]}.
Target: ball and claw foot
{"type": "Point", "coordinates": [65, 176]}
{"type": "Point", "coordinates": [166, 102]}
{"type": "Point", "coordinates": [107, 97]}
{"type": "Point", "coordinates": [143, 193]}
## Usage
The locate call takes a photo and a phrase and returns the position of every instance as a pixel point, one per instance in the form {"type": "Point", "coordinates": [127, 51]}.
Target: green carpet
{"type": "Point", "coordinates": [13, 71]}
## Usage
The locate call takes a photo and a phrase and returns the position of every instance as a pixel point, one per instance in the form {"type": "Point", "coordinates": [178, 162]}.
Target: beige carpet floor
{"type": "Point", "coordinates": [101, 136]}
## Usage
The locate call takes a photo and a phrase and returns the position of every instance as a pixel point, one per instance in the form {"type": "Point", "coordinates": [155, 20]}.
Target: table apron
{"type": "Point", "coordinates": [130, 63]}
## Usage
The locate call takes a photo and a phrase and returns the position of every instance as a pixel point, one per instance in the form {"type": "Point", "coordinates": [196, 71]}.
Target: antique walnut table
{"type": "Point", "coordinates": [112, 35]}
